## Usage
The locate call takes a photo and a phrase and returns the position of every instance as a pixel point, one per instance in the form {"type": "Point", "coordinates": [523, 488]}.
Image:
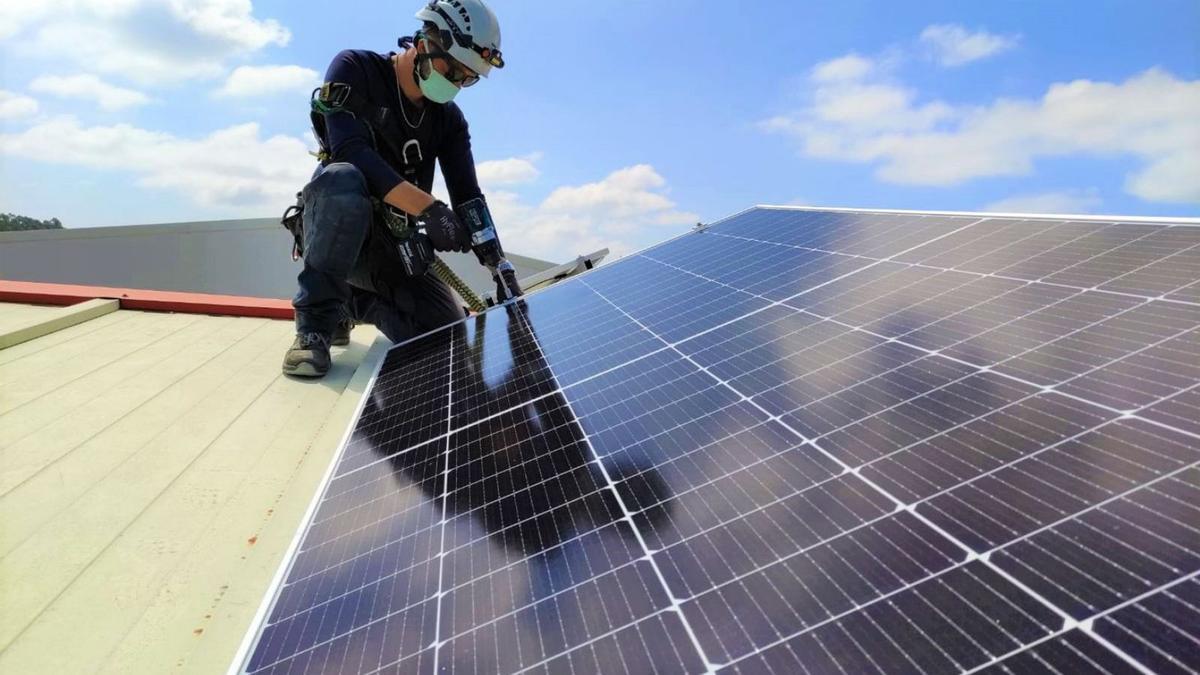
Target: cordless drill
{"type": "Point", "coordinates": [486, 244]}
{"type": "Point", "coordinates": [416, 253]}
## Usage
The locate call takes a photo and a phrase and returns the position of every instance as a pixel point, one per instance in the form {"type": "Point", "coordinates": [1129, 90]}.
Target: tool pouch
{"type": "Point", "coordinates": [416, 254]}
{"type": "Point", "coordinates": [293, 221]}
{"type": "Point", "coordinates": [405, 247]}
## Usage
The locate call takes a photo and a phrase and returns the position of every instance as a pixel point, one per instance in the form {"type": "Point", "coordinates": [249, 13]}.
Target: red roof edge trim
{"type": "Point", "coordinates": [137, 298]}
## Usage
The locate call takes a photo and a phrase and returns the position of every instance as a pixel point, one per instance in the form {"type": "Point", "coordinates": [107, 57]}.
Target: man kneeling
{"type": "Point", "coordinates": [384, 120]}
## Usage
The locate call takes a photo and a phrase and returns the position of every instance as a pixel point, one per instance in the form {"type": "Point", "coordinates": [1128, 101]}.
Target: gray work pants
{"type": "Point", "coordinates": [350, 268]}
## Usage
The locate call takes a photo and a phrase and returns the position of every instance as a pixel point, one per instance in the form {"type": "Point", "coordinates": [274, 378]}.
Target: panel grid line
{"type": "Point", "coordinates": [437, 641]}
{"type": "Point", "coordinates": [1054, 388]}
{"type": "Point", "coordinates": [531, 518]}
{"type": "Point", "coordinates": [1190, 249]}
{"type": "Point", "coordinates": [259, 623]}
{"type": "Point", "coordinates": [628, 517]}
{"type": "Point", "coordinates": [1131, 601]}
{"type": "Point", "coordinates": [1068, 620]}
{"type": "Point", "coordinates": [992, 369]}
{"type": "Point", "coordinates": [1068, 623]}
{"type": "Point", "coordinates": [1152, 231]}
{"type": "Point", "coordinates": [979, 274]}
{"type": "Point", "coordinates": [598, 638]}
{"type": "Point", "coordinates": [324, 606]}
{"type": "Point", "coordinates": [971, 553]}
{"type": "Point", "coordinates": [514, 407]}
{"type": "Point", "coordinates": [697, 534]}
{"type": "Point", "coordinates": [1169, 221]}
{"type": "Point", "coordinates": [1054, 476]}
{"type": "Point", "coordinates": [900, 506]}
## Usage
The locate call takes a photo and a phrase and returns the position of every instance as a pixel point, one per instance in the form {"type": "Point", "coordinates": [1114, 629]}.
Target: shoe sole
{"type": "Point", "coordinates": [340, 342]}
{"type": "Point", "coordinates": [304, 370]}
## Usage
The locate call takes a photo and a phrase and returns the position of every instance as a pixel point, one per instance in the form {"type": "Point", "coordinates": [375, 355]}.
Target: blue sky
{"type": "Point", "coordinates": [621, 124]}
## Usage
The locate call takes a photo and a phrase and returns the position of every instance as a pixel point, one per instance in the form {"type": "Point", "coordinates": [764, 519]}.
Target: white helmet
{"type": "Point", "coordinates": [468, 30]}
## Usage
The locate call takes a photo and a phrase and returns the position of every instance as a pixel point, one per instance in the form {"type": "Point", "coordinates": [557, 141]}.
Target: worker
{"type": "Point", "coordinates": [383, 120]}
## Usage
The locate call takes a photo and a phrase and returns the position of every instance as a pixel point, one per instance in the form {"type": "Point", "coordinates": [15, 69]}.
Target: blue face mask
{"type": "Point", "coordinates": [434, 85]}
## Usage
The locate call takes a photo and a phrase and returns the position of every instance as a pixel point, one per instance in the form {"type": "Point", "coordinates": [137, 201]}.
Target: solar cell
{"type": "Point", "coordinates": [1072, 652]}
{"type": "Point", "coordinates": [793, 440]}
{"type": "Point", "coordinates": [1158, 629]}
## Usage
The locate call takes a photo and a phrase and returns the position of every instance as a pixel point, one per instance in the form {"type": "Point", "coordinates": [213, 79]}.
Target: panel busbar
{"type": "Point", "coordinates": [795, 440]}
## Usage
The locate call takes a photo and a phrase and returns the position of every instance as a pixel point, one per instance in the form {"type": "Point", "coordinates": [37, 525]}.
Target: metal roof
{"type": "Point", "coordinates": [153, 469]}
{"type": "Point", "coordinates": [232, 257]}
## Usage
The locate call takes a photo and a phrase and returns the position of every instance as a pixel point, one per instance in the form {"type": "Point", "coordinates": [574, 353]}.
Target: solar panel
{"type": "Point", "coordinates": [795, 440]}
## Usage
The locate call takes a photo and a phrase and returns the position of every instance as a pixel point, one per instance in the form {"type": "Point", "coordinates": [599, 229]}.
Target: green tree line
{"type": "Point", "coordinates": [11, 221]}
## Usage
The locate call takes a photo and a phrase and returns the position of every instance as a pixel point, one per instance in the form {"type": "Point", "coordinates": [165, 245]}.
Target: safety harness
{"type": "Point", "coordinates": [335, 97]}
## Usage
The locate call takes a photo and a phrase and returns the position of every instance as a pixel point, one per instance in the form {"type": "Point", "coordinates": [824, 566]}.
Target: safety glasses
{"type": "Point", "coordinates": [456, 72]}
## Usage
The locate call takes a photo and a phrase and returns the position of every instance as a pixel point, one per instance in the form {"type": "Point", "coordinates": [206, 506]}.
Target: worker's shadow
{"type": "Point", "coordinates": [526, 472]}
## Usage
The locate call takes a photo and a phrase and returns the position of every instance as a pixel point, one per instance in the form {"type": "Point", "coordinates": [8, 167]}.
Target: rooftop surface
{"type": "Point", "coordinates": [155, 465]}
{"type": "Point", "coordinates": [153, 469]}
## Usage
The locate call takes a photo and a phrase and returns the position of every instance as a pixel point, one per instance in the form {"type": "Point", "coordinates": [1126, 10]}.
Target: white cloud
{"type": "Point", "coordinates": [1173, 178]}
{"type": "Point", "coordinates": [247, 81]}
{"type": "Point", "coordinates": [237, 168]}
{"type": "Point", "coordinates": [952, 45]}
{"type": "Point", "coordinates": [149, 41]}
{"type": "Point", "coordinates": [89, 87]}
{"type": "Point", "coordinates": [622, 211]}
{"type": "Point", "coordinates": [855, 92]}
{"type": "Point", "coordinates": [14, 105]}
{"type": "Point", "coordinates": [848, 67]}
{"type": "Point", "coordinates": [626, 207]}
{"type": "Point", "coordinates": [511, 171]}
{"type": "Point", "coordinates": [232, 167]}
{"type": "Point", "coordinates": [935, 143]}
{"type": "Point", "coordinates": [1062, 201]}
{"type": "Point", "coordinates": [15, 16]}
{"type": "Point", "coordinates": [623, 195]}
{"type": "Point", "coordinates": [878, 107]}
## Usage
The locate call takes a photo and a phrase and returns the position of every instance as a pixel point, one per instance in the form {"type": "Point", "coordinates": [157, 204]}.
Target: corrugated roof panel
{"type": "Point", "coordinates": [153, 468]}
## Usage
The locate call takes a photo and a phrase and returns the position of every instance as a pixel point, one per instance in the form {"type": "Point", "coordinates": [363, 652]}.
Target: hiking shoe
{"type": "Point", "coordinates": [308, 356]}
{"type": "Point", "coordinates": [341, 334]}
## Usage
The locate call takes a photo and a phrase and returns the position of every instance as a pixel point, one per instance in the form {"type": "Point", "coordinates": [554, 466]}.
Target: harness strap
{"type": "Point", "coordinates": [335, 97]}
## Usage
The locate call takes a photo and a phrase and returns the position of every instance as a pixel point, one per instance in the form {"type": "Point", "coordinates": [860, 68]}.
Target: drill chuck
{"type": "Point", "coordinates": [486, 245]}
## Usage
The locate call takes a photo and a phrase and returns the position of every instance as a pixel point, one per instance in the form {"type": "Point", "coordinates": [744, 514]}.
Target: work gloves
{"type": "Point", "coordinates": [445, 230]}
{"type": "Point", "coordinates": [416, 254]}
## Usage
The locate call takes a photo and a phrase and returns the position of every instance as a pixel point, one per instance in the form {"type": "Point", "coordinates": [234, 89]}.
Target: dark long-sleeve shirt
{"type": "Point", "coordinates": [408, 147]}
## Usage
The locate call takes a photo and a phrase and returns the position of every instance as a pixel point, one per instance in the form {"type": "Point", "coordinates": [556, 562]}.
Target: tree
{"type": "Point", "coordinates": [11, 221]}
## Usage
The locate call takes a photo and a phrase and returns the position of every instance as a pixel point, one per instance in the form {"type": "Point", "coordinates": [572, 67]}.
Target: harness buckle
{"type": "Point", "coordinates": [330, 97]}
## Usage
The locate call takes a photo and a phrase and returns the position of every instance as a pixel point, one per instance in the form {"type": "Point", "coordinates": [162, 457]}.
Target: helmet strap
{"type": "Point", "coordinates": [419, 58]}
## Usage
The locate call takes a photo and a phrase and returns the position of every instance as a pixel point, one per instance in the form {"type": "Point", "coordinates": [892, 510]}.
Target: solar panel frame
{"type": "Point", "coordinates": [767, 303]}
{"type": "Point", "coordinates": [258, 623]}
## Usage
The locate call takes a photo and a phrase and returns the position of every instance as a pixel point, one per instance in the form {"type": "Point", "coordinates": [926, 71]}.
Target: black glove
{"type": "Point", "coordinates": [416, 253]}
{"type": "Point", "coordinates": [444, 228]}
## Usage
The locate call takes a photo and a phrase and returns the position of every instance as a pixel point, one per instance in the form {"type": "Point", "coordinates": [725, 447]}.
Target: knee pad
{"type": "Point", "coordinates": [337, 216]}
{"type": "Point", "coordinates": [340, 178]}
